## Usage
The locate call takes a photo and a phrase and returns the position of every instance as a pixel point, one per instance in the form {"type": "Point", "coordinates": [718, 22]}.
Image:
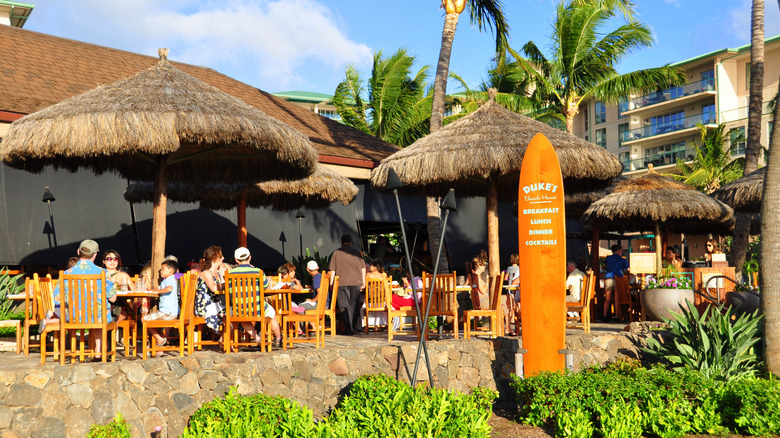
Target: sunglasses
{"type": "Point", "coordinates": [108, 259]}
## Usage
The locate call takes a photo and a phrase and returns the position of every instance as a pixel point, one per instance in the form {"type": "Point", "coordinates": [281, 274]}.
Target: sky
{"type": "Point", "coordinates": [305, 45]}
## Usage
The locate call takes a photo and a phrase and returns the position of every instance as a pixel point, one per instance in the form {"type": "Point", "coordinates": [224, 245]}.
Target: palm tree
{"type": "Point", "coordinates": [753, 149]}
{"type": "Point", "coordinates": [397, 107]}
{"type": "Point", "coordinates": [712, 167]}
{"type": "Point", "coordinates": [583, 58]}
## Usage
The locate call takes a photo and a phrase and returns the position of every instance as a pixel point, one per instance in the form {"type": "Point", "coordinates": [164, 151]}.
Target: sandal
{"type": "Point", "coordinates": [162, 344]}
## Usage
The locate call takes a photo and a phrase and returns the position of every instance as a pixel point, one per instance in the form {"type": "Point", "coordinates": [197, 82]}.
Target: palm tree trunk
{"type": "Point", "coordinates": [159, 215]}
{"type": "Point", "coordinates": [437, 119]}
{"type": "Point", "coordinates": [770, 253]}
{"type": "Point", "coordinates": [742, 225]}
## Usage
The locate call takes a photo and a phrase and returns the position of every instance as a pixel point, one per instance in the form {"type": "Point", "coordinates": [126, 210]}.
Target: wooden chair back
{"type": "Point", "coordinates": [496, 326]}
{"type": "Point", "coordinates": [375, 299]}
{"type": "Point", "coordinates": [332, 310]}
{"type": "Point", "coordinates": [322, 294]}
{"type": "Point", "coordinates": [244, 295]}
{"type": "Point", "coordinates": [443, 294]}
{"type": "Point", "coordinates": [83, 305]}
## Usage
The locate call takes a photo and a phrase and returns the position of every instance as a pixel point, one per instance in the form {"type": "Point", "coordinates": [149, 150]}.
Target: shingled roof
{"type": "Point", "coordinates": [38, 70]}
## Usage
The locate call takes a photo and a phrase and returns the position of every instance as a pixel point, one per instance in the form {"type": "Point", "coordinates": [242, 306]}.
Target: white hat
{"type": "Point", "coordinates": [241, 253]}
{"type": "Point", "coordinates": [312, 265]}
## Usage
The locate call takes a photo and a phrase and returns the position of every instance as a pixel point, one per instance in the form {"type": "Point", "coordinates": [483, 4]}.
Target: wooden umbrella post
{"type": "Point", "coordinates": [491, 201]}
{"type": "Point", "coordinates": [242, 233]}
{"type": "Point", "coordinates": [159, 215]}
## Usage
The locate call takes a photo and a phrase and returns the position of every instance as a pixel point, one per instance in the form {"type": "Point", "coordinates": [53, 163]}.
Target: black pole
{"type": "Point", "coordinates": [449, 199]}
{"type": "Point", "coordinates": [138, 259]}
{"type": "Point", "coordinates": [300, 238]}
{"type": "Point", "coordinates": [53, 231]}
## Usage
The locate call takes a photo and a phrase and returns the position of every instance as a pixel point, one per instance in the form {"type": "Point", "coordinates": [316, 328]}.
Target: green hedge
{"type": "Point", "coordinates": [625, 400]}
{"type": "Point", "coordinates": [375, 406]}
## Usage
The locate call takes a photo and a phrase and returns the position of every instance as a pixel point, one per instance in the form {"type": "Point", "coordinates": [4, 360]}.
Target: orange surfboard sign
{"type": "Point", "coordinates": [541, 229]}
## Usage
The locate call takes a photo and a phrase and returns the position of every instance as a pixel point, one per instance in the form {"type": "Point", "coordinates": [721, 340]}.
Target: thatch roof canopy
{"type": "Point", "coordinates": [319, 190]}
{"type": "Point", "coordinates": [490, 144]}
{"type": "Point", "coordinates": [743, 195]}
{"type": "Point", "coordinates": [204, 133]}
{"type": "Point", "coordinates": [578, 202]}
{"type": "Point", "coordinates": [638, 204]}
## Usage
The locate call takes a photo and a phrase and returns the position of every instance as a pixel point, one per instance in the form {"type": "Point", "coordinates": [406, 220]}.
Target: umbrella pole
{"type": "Point", "coordinates": [242, 234]}
{"type": "Point", "coordinates": [491, 200]}
{"type": "Point", "coordinates": [159, 217]}
{"type": "Point", "coordinates": [658, 254]}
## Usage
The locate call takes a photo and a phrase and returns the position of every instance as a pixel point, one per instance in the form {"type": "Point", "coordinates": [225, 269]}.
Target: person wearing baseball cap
{"type": "Point", "coordinates": [87, 251]}
{"type": "Point", "coordinates": [243, 260]}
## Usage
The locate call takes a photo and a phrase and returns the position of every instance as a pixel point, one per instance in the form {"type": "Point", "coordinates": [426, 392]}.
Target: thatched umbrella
{"type": "Point", "coordinates": [652, 200]}
{"type": "Point", "coordinates": [744, 194]}
{"type": "Point", "coordinates": [481, 155]}
{"type": "Point", "coordinates": [319, 190]}
{"type": "Point", "coordinates": [160, 124]}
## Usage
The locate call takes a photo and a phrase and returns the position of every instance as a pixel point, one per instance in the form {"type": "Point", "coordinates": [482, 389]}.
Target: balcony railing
{"type": "Point", "coordinates": [667, 127]}
{"type": "Point", "coordinates": [658, 160]}
{"type": "Point", "coordinates": [742, 113]}
{"type": "Point", "coordinates": [669, 94]}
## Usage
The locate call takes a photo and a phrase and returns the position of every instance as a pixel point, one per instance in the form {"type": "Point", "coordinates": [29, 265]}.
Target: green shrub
{"type": "Point", "coordinates": [9, 285]}
{"type": "Point", "coordinates": [379, 405]}
{"type": "Point", "coordinates": [752, 406]}
{"type": "Point", "coordinates": [711, 343]}
{"type": "Point", "coordinates": [117, 428]}
{"type": "Point", "coordinates": [575, 423]}
{"type": "Point", "coordinates": [256, 415]}
{"type": "Point", "coordinates": [620, 420]}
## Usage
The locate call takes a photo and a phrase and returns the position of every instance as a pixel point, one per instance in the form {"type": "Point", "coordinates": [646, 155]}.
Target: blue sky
{"type": "Point", "coordinates": [306, 44]}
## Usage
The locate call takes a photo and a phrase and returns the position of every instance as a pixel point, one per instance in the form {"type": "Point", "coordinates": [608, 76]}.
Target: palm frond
{"type": "Point", "coordinates": [485, 14]}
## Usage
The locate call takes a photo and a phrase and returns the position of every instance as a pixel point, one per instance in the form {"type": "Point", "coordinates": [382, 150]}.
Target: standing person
{"type": "Point", "coordinates": [169, 301]}
{"type": "Point", "coordinates": [480, 296]}
{"type": "Point", "coordinates": [87, 252]}
{"type": "Point", "coordinates": [348, 264]}
{"type": "Point", "coordinates": [615, 266]}
{"type": "Point", "coordinates": [244, 266]}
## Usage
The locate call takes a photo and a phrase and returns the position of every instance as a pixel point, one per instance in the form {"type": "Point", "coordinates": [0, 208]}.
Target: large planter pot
{"type": "Point", "coordinates": [743, 301]}
{"type": "Point", "coordinates": [658, 304]}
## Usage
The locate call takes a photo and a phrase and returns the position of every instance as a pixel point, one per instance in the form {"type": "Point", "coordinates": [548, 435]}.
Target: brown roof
{"type": "Point", "coordinates": [38, 70]}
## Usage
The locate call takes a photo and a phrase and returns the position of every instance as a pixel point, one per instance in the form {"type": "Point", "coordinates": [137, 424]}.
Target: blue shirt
{"type": "Point", "coordinates": [86, 267]}
{"type": "Point", "coordinates": [169, 302]}
{"type": "Point", "coordinates": [615, 265]}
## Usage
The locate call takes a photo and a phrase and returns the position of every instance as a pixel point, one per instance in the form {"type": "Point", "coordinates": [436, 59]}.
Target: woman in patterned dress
{"type": "Point", "coordinates": [210, 281]}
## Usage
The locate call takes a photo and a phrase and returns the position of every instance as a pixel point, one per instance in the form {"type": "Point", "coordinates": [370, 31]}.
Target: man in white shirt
{"type": "Point", "coordinates": [574, 282]}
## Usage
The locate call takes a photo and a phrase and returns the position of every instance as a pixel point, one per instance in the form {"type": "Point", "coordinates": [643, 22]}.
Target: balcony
{"type": "Point", "coordinates": [665, 159]}
{"type": "Point", "coordinates": [667, 95]}
{"type": "Point", "coordinates": [741, 113]}
{"type": "Point", "coordinates": [645, 132]}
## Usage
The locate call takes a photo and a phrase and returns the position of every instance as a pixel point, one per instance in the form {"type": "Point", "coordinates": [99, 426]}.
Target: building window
{"type": "Point", "coordinates": [708, 113]}
{"type": "Point", "coordinates": [667, 123]}
{"type": "Point", "coordinates": [708, 80]}
{"type": "Point", "coordinates": [625, 159]}
{"type": "Point", "coordinates": [666, 154]}
{"type": "Point", "coordinates": [622, 106]}
{"type": "Point", "coordinates": [585, 116]}
{"type": "Point", "coordinates": [622, 133]}
{"type": "Point", "coordinates": [601, 138]}
{"type": "Point", "coordinates": [600, 111]}
{"type": "Point", "coordinates": [770, 128]}
{"type": "Point", "coordinates": [737, 141]}
{"type": "Point", "coordinates": [331, 114]}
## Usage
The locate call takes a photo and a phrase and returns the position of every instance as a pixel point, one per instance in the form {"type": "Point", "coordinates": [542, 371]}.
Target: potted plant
{"type": "Point", "coordinates": [666, 293]}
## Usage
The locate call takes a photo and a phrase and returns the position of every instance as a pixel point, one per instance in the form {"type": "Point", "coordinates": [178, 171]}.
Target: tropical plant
{"type": "Point", "coordinates": [584, 56]}
{"type": "Point", "coordinates": [117, 428]}
{"type": "Point", "coordinates": [9, 285]}
{"type": "Point", "coordinates": [711, 342]}
{"type": "Point", "coordinates": [300, 264]}
{"type": "Point", "coordinates": [394, 107]}
{"type": "Point", "coordinates": [712, 165]}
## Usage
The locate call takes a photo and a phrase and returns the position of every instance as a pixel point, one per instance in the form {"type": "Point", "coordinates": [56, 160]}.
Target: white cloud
{"type": "Point", "coordinates": [739, 18]}
{"type": "Point", "coordinates": [269, 44]}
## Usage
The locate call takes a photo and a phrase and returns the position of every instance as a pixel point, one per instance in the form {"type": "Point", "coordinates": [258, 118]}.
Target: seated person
{"type": "Point", "coordinates": [243, 261]}
{"type": "Point", "coordinates": [573, 282]}
{"type": "Point", "coordinates": [169, 301]}
{"type": "Point", "coordinates": [672, 258]}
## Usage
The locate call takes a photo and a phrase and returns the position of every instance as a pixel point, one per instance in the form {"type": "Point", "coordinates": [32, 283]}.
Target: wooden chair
{"type": "Point", "coordinates": [404, 313]}
{"type": "Point", "coordinates": [83, 307]}
{"type": "Point", "coordinates": [582, 308]}
{"type": "Point", "coordinates": [331, 312]}
{"type": "Point", "coordinates": [45, 292]}
{"type": "Point", "coordinates": [314, 317]}
{"type": "Point", "coordinates": [180, 323]}
{"type": "Point", "coordinates": [376, 300]}
{"type": "Point", "coordinates": [281, 301]}
{"type": "Point", "coordinates": [129, 330]}
{"type": "Point", "coordinates": [244, 302]}
{"type": "Point", "coordinates": [33, 313]}
{"type": "Point", "coordinates": [623, 298]}
{"type": "Point", "coordinates": [495, 328]}
{"type": "Point", "coordinates": [444, 298]}
{"type": "Point", "coordinates": [195, 325]}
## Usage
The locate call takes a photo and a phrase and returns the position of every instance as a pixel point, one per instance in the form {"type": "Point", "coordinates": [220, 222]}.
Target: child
{"type": "Point", "coordinates": [169, 300]}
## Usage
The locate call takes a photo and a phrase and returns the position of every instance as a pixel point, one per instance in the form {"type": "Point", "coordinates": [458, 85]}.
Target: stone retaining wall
{"type": "Point", "coordinates": [56, 400]}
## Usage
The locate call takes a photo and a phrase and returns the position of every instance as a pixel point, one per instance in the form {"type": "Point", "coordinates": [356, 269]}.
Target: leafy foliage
{"type": "Point", "coordinates": [712, 166]}
{"type": "Point", "coordinates": [300, 264]}
{"type": "Point", "coordinates": [117, 428]}
{"type": "Point", "coordinates": [711, 343]}
{"type": "Point", "coordinates": [625, 400]}
{"type": "Point", "coordinates": [9, 285]}
{"type": "Point", "coordinates": [393, 106]}
{"type": "Point", "coordinates": [670, 279]}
